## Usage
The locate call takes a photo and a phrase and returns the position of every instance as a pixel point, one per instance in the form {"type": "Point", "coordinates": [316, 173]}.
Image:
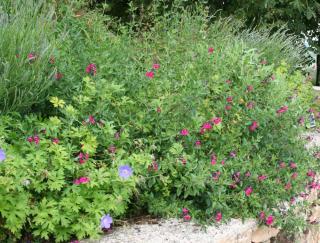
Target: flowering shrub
{"type": "Point", "coordinates": [188, 119]}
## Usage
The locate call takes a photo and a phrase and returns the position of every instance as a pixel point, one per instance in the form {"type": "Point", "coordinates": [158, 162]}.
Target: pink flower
{"type": "Point", "coordinates": [262, 215]}
{"type": "Point", "coordinates": [282, 164]}
{"type": "Point", "coordinates": [150, 74]}
{"type": "Point", "coordinates": [31, 57]}
{"type": "Point", "coordinates": [112, 149]}
{"type": "Point", "coordinates": [156, 66]}
{"type": "Point", "coordinates": [269, 220]}
{"type": "Point", "coordinates": [55, 140]}
{"type": "Point", "coordinates": [210, 49]}
{"type": "Point", "coordinates": [233, 154]}
{"type": "Point", "coordinates": [58, 76]}
{"type": "Point", "coordinates": [301, 121]}
{"type": "Point", "coordinates": [282, 109]}
{"type": "Point", "coordinates": [218, 216]}
{"type": "Point", "coordinates": [184, 132]}
{"type": "Point", "coordinates": [198, 143]}
{"type": "Point", "coordinates": [81, 180]}
{"type": "Point", "coordinates": [248, 191]}
{"type": "Point", "coordinates": [249, 88]}
{"type": "Point", "coordinates": [228, 107]}
{"type": "Point", "coordinates": [92, 120]}
{"type": "Point", "coordinates": [287, 186]}
{"type": "Point", "coordinates": [83, 157]}
{"type": "Point", "coordinates": [213, 159]}
{"type": "Point", "coordinates": [158, 109]}
{"type": "Point", "coordinates": [187, 217]}
{"type": "Point", "coordinates": [232, 186]}
{"type": "Point", "coordinates": [229, 99]}
{"type": "Point", "coordinates": [254, 125]}
{"type": "Point", "coordinates": [262, 177]}
{"type": "Point", "coordinates": [228, 81]}
{"type": "Point", "coordinates": [183, 161]}
{"type": "Point", "coordinates": [216, 120]}
{"type": "Point", "coordinates": [36, 139]}
{"type": "Point", "coordinates": [185, 211]}
{"type": "Point", "coordinates": [250, 105]}
{"type": "Point", "coordinates": [294, 175]}
{"type": "Point", "coordinates": [311, 173]}
{"type": "Point", "coordinates": [154, 166]}
{"type": "Point", "coordinates": [293, 165]}
{"type": "Point", "coordinates": [91, 69]}
{"type": "Point", "coordinates": [223, 162]}
{"type": "Point", "coordinates": [207, 126]}
{"type": "Point", "coordinates": [248, 174]}
{"type": "Point", "coordinates": [215, 175]}
{"type": "Point", "coordinates": [30, 139]}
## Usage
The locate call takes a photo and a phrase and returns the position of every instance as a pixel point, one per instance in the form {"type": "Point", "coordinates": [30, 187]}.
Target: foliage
{"type": "Point", "coordinates": [205, 114]}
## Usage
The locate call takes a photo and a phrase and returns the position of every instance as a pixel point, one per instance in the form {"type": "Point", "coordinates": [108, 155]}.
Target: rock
{"type": "Point", "coordinates": [264, 233]}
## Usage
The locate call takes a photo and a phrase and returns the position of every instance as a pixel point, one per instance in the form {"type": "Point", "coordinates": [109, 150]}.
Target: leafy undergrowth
{"type": "Point", "coordinates": [191, 118]}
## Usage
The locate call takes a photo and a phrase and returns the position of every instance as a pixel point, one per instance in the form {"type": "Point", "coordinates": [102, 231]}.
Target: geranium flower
{"type": "Point", "coordinates": [125, 171]}
{"type": "Point", "coordinates": [154, 166]}
{"type": "Point", "coordinates": [228, 81]}
{"type": "Point", "coordinates": [91, 69]}
{"type": "Point", "coordinates": [83, 157]}
{"type": "Point", "coordinates": [282, 110]}
{"type": "Point", "coordinates": [248, 174]}
{"type": "Point", "coordinates": [228, 107]}
{"type": "Point", "coordinates": [216, 175]}
{"type": "Point", "coordinates": [32, 57]}
{"type": "Point", "coordinates": [184, 132]}
{"type": "Point", "coordinates": [229, 99]}
{"type": "Point", "coordinates": [218, 216]}
{"type": "Point", "coordinates": [185, 211]}
{"type": "Point", "coordinates": [293, 165]}
{"type": "Point", "coordinates": [207, 126]}
{"type": "Point", "coordinates": [198, 143]}
{"type": "Point", "coordinates": [294, 175]}
{"type": "Point", "coordinates": [106, 221]}
{"type": "Point", "coordinates": [301, 121]}
{"type": "Point", "coordinates": [58, 76]}
{"type": "Point", "coordinates": [254, 125]}
{"type": "Point", "coordinates": [36, 139]}
{"type": "Point", "coordinates": [187, 217]}
{"type": "Point", "coordinates": [81, 180]}
{"type": "Point", "coordinates": [210, 49]}
{"type": "Point", "coordinates": [311, 173]}
{"type": "Point", "coordinates": [233, 154]}
{"type": "Point", "coordinates": [269, 220]}
{"type": "Point", "coordinates": [112, 149]}
{"type": "Point", "coordinates": [262, 215]}
{"type": "Point", "coordinates": [248, 191]}
{"type": "Point", "coordinates": [158, 109]}
{"type": "Point", "coordinates": [249, 88]}
{"type": "Point", "coordinates": [282, 164]}
{"type": "Point", "coordinates": [55, 140]}
{"type": "Point", "coordinates": [156, 66]}
{"type": "Point", "coordinates": [30, 139]}
{"type": "Point", "coordinates": [2, 155]}
{"type": "Point", "coordinates": [250, 105]}
{"type": "Point", "coordinates": [216, 120]}
{"type": "Point", "coordinates": [92, 120]}
{"type": "Point", "coordinates": [262, 177]}
{"type": "Point", "coordinates": [223, 162]}
{"type": "Point", "coordinates": [150, 74]}
{"type": "Point", "coordinates": [183, 161]}
{"type": "Point", "coordinates": [213, 159]}
{"type": "Point", "coordinates": [287, 186]}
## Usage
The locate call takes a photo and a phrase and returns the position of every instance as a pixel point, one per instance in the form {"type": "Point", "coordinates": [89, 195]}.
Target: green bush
{"type": "Point", "coordinates": [26, 44]}
{"type": "Point", "coordinates": [206, 117]}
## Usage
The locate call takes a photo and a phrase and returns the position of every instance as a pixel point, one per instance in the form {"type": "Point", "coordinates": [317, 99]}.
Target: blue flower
{"type": "Point", "coordinates": [125, 171]}
{"type": "Point", "coordinates": [106, 221]}
{"type": "Point", "coordinates": [2, 155]}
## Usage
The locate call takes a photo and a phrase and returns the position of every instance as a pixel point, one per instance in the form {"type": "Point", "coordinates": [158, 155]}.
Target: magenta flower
{"type": "Point", "coordinates": [81, 180]}
{"type": "Point", "coordinates": [218, 216]}
{"type": "Point", "coordinates": [233, 154]}
{"type": "Point", "coordinates": [30, 139]}
{"type": "Point", "coordinates": [106, 221]}
{"type": "Point", "coordinates": [91, 69]}
{"type": "Point", "coordinates": [198, 143]}
{"type": "Point", "coordinates": [248, 174]}
{"type": "Point", "coordinates": [213, 159]}
{"type": "Point", "coordinates": [210, 49]}
{"type": "Point", "coordinates": [55, 140]}
{"type": "Point", "coordinates": [207, 126]}
{"type": "Point", "coordinates": [83, 157]}
{"type": "Point", "coordinates": [294, 175]}
{"type": "Point", "coordinates": [249, 88]}
{"type": "Point", "coordinates": [187, 217]}
{"type": "Point", "coordinates": [216, 175]}
{"type": "Point", "coordinates": [92, 120]}
{"type": "Point", "coordinates": [158, 109]}
{"type": "Point", "coordinates": [293, 165]}
{"type": "Point", "coordinates": [216, 120]}
{"type": "Point", "coordinates": [223, 162]}
{"type": "Point", "coordinates": [228, 107]}
{"type": "Point", "coordinates": [262, 215]}
{"type": "Point", "coordinates": [185, 211]}
{"type": "Point", "coordinates": [229, 99]}
{"type": "Point", "coordinates": [184, 132]}
{"type": "Point", "coordinates": [282, 164]}
{"type": "Point", "coordinates": [282, 109]}
{"type": "Point", "coordinates": [287, 186]}
{"type": "Point", "coordinates": [156, 66]}
{"type": "Point", "coordinates": [36, 139]}
{"type": "Point", "coordinates": [150, 74]}
{"type": "Point", "coordinates": [254, 125]}
{"type": "Point", "coordinates": [2, 155]}
{"type": "Point", "coordinates": [31, 57]}
{"type": "Point", "coordinates": [183, 161]}
{"type": "Point", "coordinates": [248, 191]}
{"type": "Point", "coordinates": [311, 173]}
{"type": "Point", "coordinates": [250, 105]}
{"type": "Point", "coordinates": [269, 220]}
{"type": "Point", "coordinates": [262, 177]}
{"type": "Point", "coordinates": [125, 171]}
{"type": "Point", "coordinates": [58, 76]}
